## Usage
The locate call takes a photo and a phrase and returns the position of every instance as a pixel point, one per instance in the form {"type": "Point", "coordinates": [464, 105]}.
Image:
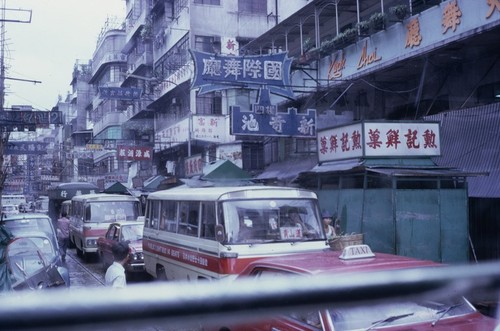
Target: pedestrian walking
{"type": "Point", "coordinates": [115, 275]}
{"type": "Point", "coordinates": [63, 234]}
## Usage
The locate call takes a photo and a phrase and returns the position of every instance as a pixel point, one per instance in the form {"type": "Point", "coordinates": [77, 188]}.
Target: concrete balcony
{"type": "Point", "coordinates": [109, 119]}
{"type": "Point", "coordinates": [136, 61]}
{"type": "Point", "coordinates": [134, 24]}
{"type": "Point", "coordinates": [108, 58]}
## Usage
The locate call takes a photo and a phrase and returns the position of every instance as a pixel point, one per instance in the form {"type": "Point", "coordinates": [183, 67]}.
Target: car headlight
{"type": "Point", "coordinates": [136, 257]}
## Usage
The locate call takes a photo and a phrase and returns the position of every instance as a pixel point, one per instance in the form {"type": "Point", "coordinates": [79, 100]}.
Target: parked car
{"type": "Point", "coordinates": [28, 261]}
{"type": "Point", "coordinates": [453, 313]}
{"type": "Point", "coordinates": [10, 209]}
{"type": "Point", "coordinates": [130, 232]}
{"type": "Point", "coordinates": [29, 222]}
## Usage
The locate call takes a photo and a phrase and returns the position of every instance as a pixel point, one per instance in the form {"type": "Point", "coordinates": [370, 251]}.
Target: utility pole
{"type": "Point", "coordinates": [4, 133]}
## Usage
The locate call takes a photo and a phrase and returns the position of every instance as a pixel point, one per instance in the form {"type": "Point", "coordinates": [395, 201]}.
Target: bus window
{"type": "Point", "coordinates": [261, 220]}
{"type": "Point", "coordinates": [207, 220]}
{"type": "Point", "coordinates": [188, 221]}
{"type": "Point", "coordinates": [169, 213]}
{"type": "Point", "coordinates": [154, 214]}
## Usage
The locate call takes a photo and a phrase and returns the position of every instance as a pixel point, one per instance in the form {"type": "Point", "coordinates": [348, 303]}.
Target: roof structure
{"type": "Point", "coordinates": [117, 188]}
{"type": "Point", "coordinates": [469, 141]}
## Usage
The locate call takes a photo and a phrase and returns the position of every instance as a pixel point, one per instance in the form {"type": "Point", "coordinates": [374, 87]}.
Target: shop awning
{"type": "Point", "coordinates": [288, 170]}
{"type": "Point", "coordinates": [117, 188]}
{"type": "Point", "coordinates": [224, 170]}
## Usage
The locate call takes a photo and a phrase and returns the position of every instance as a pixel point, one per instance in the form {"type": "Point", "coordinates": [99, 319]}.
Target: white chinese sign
{"type": "Point", "coordinates": [379, 139]}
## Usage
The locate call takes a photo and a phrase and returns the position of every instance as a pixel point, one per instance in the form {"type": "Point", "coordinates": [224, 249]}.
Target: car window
{"type": "Point", "coordinates": [396, 313]}
{"type": "Point", "coordinates": [41, 224]}
{"type": "Point", "coordinates": [132, 232]}
{"type": "Point", "coordinates": [24, 259]}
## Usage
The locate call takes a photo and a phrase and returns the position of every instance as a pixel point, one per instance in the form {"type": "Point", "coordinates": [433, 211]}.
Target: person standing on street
{"type": "Point", "coordinates": [115, 275]}
{"type": "Point", "coordinates": [63, 234]}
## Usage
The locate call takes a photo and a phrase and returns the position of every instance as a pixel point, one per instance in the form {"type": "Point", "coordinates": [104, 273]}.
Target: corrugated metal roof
{"type": "Point", "coordinates": [470, 141]}
{"type": "Point", "coordinates": [286, 171]}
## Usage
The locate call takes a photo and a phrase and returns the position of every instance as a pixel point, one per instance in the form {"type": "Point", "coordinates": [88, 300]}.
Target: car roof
{"type": "Point", "coordinates": [30, 234]}
{"type": "Point", "coordinates": [14, 217]}
{"type": "Point", "coordinates": [127, 223]}
{"type": "Point", "coordinates": [101, 197]}
{"type": "Point", "coordinates": [329, 261]}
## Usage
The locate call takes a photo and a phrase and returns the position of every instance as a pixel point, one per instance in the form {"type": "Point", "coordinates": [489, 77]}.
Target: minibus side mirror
{"type": "Point", "coordinates": [219, 233]}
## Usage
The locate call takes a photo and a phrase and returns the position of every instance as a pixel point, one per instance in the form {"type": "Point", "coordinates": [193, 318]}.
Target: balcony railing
{"type": "Point", "coordinates": [109, 119]}
{"type": "Point", "coordinates": [109, 57]}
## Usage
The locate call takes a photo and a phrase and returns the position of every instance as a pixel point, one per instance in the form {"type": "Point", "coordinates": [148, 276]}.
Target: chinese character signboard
{"type": "Point", "coordinates": [173, 135]}
{"type": "Point", "coordinates": [229, 46]}
{"type": "Point", "coordinates": [26, 117]}
{"type": "Point", "coordinates": [288, 123]}
{"type": "Point", "coordinates": [209, 128]}
{"type": "Point", "coordinates": [93, 147]}
{"type": "Point", "coordinates": [379, 139]}
{"type": "Point", "coordinates": [134, 153]}
{"type": "Point", "coordinates": [26, 147]}
{"type": "Point", "coordinates": [217, 72]}
{"type": "Point", "coordinates": [120, 93]}
{"type": "Point", "coordinates": [193, 166]}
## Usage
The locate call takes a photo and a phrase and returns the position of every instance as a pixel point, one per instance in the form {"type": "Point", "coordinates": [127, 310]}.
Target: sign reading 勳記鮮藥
{"type": "Point", "coordinates": [217, 72]}
{"type": "Point", "coordinates": [379, 139]}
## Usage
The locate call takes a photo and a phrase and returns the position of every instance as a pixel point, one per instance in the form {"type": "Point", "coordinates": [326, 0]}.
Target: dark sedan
{"type": "Point", "coordinates": [29, 266]}
{"type": "Point", "coordinates": [130, 232]}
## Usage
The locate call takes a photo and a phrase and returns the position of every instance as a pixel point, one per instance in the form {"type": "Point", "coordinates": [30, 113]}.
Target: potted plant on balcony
{"type": "Point", "coordinates": [377, 21]}
{"type": "Point", "coordinates": [311, 55]}
{"type": "Point", "coordinates": [399, 11]}
{"type": "Point", "coordinates": [346, 37]}
{"type": "Point", "coordinates": [307, 45]}
{"type": "Point", "coordinates": [327, 47]}
{"type": "Point", "coordinates": [363, 27]}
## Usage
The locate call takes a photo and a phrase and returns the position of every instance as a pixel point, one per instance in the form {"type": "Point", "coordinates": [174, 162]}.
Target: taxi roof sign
{"type": "Point", "coordinates": [356, 252]}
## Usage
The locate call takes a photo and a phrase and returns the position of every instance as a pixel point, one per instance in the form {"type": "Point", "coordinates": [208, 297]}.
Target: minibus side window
{"type": "Point", "coordinates": [207, 220]}
{"type": "Point", "coordinates": [88, 216]}
{"type": "Point", "coordinates": [189, 215]}
{"type": "Point", "coordinates": [146, 214]}
{"type": "Point", "coordinates": [154, 214]}
{"type": "Point", "coordinates": [167, 219]}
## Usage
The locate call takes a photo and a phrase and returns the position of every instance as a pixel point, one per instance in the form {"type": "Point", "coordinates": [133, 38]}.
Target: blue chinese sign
{"type": "Point", "coordinates": [217, 72]}
{"type": "Point", "coordinates": [273, 124]}
{"type": "Point", "coordinates": [25, 147]}
{"type": "Point", "coordinates": [28, 117]}
{"type": "Point", "coordinates": [120, 93]}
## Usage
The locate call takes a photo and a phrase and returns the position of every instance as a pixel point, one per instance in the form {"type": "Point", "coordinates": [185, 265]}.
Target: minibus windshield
{"type": "Point", "coordinates": [255, 221]}
{"type": "Point", "coordinates": [112, 211]}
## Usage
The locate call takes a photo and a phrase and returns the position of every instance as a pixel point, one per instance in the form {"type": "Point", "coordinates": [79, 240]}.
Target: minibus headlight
{"type": "Point", "coordinates": [229, 254]}
{"type": "Point", "coordinates": [91, 243]}
{"type": "Point", "coordinates": [134, 257]}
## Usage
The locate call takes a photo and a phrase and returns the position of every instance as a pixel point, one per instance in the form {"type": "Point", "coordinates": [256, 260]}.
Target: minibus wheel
{"type": "Point", "coordinates": [79, 252]}
{"type": "Point", "coordinates": [72, 242]}
{"type": "Point", "coordinates": [160, 273]}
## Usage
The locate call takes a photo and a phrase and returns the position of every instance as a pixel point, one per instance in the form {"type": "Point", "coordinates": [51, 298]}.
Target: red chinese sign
{"type": "Point", "coordinates": [379, 139]}
{"type": "Point", "coordinates": [193, 166]}
{"type": "Point", "coordinates": [134, 153]}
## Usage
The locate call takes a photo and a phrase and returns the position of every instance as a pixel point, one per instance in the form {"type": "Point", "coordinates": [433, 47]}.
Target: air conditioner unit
{"type": "Point", "coordinates": [174, 101]}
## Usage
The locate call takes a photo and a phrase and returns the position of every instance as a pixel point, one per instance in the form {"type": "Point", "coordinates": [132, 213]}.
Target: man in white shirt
{"type": "Point", "coordinates": [115, 275]}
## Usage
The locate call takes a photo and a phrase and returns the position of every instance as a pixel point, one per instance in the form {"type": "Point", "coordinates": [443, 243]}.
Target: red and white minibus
{"type": "Point", "coordinates": [215, 232]}
{"type": "Point", "coordinates": [91, 215]}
